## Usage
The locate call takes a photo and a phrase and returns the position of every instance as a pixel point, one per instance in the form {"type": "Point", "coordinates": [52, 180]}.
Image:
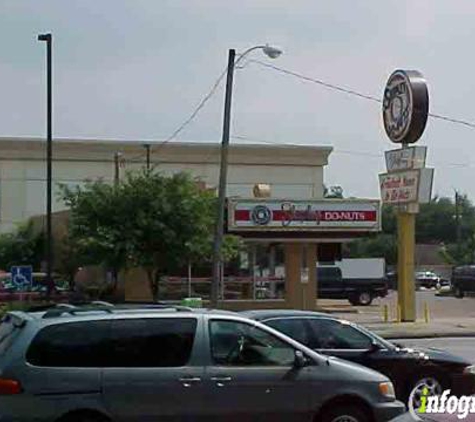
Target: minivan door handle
{"type": "Point", "coordinates": [188, 381]}
{"type": "Point", "coordinates": [220, 381]}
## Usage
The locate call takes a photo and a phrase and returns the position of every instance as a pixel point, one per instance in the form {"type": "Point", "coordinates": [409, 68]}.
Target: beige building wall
{"type": "Point", "coordinates": [291, 171]}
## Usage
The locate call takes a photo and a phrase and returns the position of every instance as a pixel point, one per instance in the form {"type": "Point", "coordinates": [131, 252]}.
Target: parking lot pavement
{"type": "Point", "coordinates": [449, 316]}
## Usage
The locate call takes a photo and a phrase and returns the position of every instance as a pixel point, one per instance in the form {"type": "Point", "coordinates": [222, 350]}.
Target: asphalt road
{"type": "Point", "coordinates": [464, 347]}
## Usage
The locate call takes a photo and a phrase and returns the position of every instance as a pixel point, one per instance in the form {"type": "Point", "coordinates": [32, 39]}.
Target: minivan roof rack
{"type": "Point", "coordinates": [66, 308]}
{"type": "Point", "coordinates": [101, 306]}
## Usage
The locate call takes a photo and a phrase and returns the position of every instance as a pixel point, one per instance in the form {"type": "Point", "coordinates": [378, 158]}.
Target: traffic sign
{"type": "Point", "coordinates": [22, 276]}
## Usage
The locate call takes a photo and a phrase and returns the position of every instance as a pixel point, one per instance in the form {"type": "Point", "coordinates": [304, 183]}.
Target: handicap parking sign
{"type": "Point", "coordinates": [22, 276]}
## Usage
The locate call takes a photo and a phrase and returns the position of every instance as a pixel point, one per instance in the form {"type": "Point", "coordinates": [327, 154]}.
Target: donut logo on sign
{"type": "Point", "coordinates": [405, 106]}
{"type": "Point", "coordinates": [261, 215]}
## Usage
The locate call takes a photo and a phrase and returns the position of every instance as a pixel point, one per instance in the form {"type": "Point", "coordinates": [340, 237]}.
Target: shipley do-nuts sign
{"type": "Point", "coordinates": [405, 112]}
{"type": "Point", "coordinates": [303, 215]}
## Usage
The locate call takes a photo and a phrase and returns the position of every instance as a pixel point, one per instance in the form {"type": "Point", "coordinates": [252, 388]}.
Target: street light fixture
{"type": "Point", "coordinates": [48, 38]}
{"type": "Point", "coordinates": [273, 53]}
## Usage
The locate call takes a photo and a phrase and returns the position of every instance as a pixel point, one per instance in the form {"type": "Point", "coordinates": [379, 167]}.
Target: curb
{"type": "Point", "coordinates": [422, 335]}
{"type": "Point", "coordinates": [331, 310]}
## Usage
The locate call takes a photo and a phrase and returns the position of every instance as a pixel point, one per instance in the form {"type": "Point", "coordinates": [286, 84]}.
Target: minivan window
{"type": "Point", "coordinates": [236, 343]}
{"type": "Point", "coordinates": [151, 342]}
{"type": "Point", "coordinates": [75, 344]}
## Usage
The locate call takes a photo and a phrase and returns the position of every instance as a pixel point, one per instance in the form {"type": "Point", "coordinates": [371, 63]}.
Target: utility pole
{"type": "Point", "coordinates": [223, 173]}
{"type": "Point", "coordinates": [48, 38]}
{"type": "Point", "coordinates": [457, 219]}
{"type": "Point", "coordinates": [147, 149]}
{"type": "Point", "coordinates": [117, 157]}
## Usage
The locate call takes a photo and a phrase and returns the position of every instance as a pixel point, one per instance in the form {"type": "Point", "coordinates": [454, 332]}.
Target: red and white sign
{"type": "Point", "coordinates": [406, 187]}
{"type": "Point", "coordinates": [302, 215]}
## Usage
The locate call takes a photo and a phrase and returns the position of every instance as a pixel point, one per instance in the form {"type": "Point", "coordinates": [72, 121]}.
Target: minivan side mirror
{"type": "Point", "coordinates": [300, 360]}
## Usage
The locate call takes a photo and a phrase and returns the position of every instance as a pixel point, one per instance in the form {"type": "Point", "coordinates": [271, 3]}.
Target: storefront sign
{"type": "Point", "coordinates": [406, 187]}
{"type": "Point", "coordinates": [300, 215]}
{"type": "Point", "coordinates": [411, 158]}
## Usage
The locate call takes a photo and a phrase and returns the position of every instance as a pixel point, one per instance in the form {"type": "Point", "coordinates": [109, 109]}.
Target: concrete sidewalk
{"type": "Point", "coordinates": [434, 329]}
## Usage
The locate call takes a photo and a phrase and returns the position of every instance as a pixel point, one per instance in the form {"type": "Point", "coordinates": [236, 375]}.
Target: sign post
{"type": "Point", "coordinates": [407, 182]}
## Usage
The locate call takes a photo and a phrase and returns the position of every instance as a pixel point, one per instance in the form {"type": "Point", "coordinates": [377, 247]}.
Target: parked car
{"type": "Point", "coordinates": [411, 370]}
{"type": "Point", "coordinates": [359, 291]}
{"type": "Point", "coordinates": [463, 280]}
{"type": "Point", "coordinates": [101, 363]}
{"type": "Point", "coordinates": [427, 279]}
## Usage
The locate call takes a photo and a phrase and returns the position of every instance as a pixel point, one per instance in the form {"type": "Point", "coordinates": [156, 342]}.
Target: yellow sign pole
{"type": "Point", "coordinates": [406, 249]}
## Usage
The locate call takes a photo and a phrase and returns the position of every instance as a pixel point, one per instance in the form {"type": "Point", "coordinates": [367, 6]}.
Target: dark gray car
{"type": "Point", "coordinates": [98, 364]}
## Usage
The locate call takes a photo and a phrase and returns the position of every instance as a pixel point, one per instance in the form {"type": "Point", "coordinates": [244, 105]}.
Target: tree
{"type": "Point", "coordinates": [25, 246]}
{"type": "Point", "coordinates": [436, 223]}
{"type": "Point", "coordinates": [96, 222]}
{"type": "Point", "coordinates": [148, 220]}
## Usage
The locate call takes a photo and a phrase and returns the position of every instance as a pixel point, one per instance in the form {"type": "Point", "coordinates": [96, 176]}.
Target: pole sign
{"type": "Point", "coordinates": [411, 158]}
{"type": "Point", "coordinates": [405, 112]}
{"type": "Point", "coordinates": [405, 106]}
{"type": "Point", "coordinates": [280, 215]}
{"type": "Point", "coordinates": [406, 187]}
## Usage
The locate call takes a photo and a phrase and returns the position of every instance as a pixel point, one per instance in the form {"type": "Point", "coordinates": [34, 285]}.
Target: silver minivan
{"type": "Point", "coordinates": [151, 363]}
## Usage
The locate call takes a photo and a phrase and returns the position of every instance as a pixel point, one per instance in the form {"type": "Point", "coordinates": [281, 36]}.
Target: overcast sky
{"type": "Point", "coordinates": [136, 69]}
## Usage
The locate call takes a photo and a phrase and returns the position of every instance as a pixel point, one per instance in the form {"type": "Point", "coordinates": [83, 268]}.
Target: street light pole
{"type": "Point", "coordinates": [48, 38]}
{"type": "Point", "coordinates": [223, 175]}
{"type": "Point", "coordinates": [273, 53]}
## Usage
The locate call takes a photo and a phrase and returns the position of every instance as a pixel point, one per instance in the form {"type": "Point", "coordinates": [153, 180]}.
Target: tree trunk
{"type": "Point", "coordinates": [157, 278]}
{"type": "Point", "coordinates": [151, 283]}
{"type": "Point", "coordinates": [115, 280]}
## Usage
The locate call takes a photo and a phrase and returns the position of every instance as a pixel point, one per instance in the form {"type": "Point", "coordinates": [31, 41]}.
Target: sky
{"type": "Point", "coordinates": [136, 69]}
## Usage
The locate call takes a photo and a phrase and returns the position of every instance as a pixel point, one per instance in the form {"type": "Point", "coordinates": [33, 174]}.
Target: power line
{"type": "Point", "coordinates": [300, 76]}
{"type": "Point", "coordinates": [348, 151]}
{"type": "Point", "coordinates": [318, 81]}
{"type": "Point", "coordinates": [353, 92]}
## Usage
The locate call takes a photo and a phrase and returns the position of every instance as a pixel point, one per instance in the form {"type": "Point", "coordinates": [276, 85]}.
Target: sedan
{"type": "Point", "coordinates": [410, 370]}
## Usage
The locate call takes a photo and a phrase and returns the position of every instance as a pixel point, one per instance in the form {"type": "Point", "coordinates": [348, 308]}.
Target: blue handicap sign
{"type": "Point", "coordinates": [22, 276]}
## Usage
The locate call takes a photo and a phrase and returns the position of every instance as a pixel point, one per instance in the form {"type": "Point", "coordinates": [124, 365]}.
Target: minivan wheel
{"type": "Point", "coordinates": [459, 293]}
{"type": "Point", "coordinates": [345, 414]}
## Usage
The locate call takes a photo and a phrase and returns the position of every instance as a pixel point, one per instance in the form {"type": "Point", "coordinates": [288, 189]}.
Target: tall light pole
{"type": "Point", "coordinates": [48, 38]}
{"type": "Point", "coordinates": [273, 53]}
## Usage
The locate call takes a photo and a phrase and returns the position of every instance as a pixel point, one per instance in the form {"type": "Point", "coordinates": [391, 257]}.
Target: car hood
{"type": "Point", "coordinates": [354, 371]}
{"type": "Point", "coordinates": [436, 355]}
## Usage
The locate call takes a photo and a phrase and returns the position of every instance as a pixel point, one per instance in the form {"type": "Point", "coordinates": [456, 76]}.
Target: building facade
{"type": "Point", "coordinates": [291, 171]}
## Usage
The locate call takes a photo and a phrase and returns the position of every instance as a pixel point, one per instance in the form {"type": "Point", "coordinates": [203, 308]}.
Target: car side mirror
{"type": "Point", "coordinates": [375, 347]}
{"type": "Point", "coordinates": [300, 360]}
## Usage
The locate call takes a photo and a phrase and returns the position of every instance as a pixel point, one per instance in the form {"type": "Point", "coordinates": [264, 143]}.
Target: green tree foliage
{"type": "Point", "coordinates": [148, 220]}
{"type": "Point", "coordinates": [24, 246]}
{"type": "Point", "coordinates": [436, 223]}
